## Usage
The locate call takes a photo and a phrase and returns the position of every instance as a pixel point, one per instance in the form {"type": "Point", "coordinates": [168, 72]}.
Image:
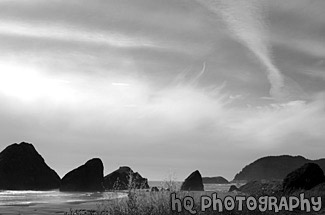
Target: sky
{"type": "Point", "coordinates": [163, 86]}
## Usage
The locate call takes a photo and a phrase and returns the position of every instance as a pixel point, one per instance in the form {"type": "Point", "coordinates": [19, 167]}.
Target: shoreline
{"type": "Point", "coordinates": [59, 207]}
{"type": "Point", "coordinates": [92, 205]}
{"type": "Point", "coordinates": [51, 208]}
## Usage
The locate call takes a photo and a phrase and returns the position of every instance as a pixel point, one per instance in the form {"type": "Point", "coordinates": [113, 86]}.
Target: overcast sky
{"type": "Point", "coordinates": [163, 86]}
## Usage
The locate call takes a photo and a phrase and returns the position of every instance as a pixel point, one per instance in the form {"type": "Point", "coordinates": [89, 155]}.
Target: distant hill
{"type": "Point", "coordinates": [215, 180]}
{"type": "Point", "coordinates": [274, 167]}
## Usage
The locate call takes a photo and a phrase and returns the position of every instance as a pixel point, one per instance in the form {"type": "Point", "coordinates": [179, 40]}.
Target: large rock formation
{"type": "Point", "coordinates": [215, 180]}
{"type": "Point", "coordinates": [88, 177]}
{"type": "Point", "coordinates": [124, 178]}
{"type": "Point", "coordinates": [273, 168]}
{"type": "Point", "coordinates": [22, 168]}
{"type": "Point", "coordinates": [193, 182]}
{"type": "Point", "coordinates": [303, 178]}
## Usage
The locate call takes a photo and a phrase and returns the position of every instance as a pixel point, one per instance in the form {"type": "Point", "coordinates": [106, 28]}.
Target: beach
{"type": "Point", "coordinates": [55, 202]}
{"type": "Point", "coordinates": [48, 208]}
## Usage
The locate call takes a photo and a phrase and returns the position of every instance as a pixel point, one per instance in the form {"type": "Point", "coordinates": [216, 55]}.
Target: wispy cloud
{"type": "Point", "coordinates": [69, 33]}
{"type": "Point", "coordinates": [246, 22]}
{"type": "Point", "coordinates": [132, 113]}
{"type": "Point", "coordinates": [156, 83]}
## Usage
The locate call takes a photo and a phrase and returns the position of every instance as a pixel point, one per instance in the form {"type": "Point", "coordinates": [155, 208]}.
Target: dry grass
{"type": "Point", "coordinates": [143, 202]}
{"type": "Point", "coordinates": [158, 203]}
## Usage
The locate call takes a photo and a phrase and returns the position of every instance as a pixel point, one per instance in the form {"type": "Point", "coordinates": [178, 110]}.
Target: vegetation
{"type": "Point", "coordinates": [158, 203]}
{"type": "Point", "coordinates": [144, 202]}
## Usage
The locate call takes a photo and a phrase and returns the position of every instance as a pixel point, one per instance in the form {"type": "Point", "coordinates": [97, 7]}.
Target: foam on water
{"type": "Point", "coordinates": [29, 197]}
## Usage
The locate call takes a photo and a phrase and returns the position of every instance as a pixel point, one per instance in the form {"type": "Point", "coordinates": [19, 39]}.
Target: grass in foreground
{"type": "Point", "coordinates": [141, 202]}
{"type": "Point", "coordinates": [158, 203]}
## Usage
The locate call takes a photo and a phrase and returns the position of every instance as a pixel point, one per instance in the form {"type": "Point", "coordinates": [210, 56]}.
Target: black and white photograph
{"type": "Point", "coordinates": [160, 107]}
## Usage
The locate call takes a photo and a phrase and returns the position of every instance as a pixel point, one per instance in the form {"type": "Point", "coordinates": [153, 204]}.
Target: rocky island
{"type": "Point", "coordinates": [23, 168]}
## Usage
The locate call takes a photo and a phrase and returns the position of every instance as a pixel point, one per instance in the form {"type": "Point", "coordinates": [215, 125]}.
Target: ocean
{"type": "Point", "coordinates": [207, 187]}
{"type": "Point", "coordinates": [29, 198]}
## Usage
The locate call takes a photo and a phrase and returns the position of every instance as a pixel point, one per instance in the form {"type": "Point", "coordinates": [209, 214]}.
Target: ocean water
{"type": "Point", "coordinates": [207, 187]}
{"type": "Point", "coordinates": [165, 184]}
{"type": "Point", "coordinates": [224, 188]}
{"type": "Point", "coordinates": [29, 197]}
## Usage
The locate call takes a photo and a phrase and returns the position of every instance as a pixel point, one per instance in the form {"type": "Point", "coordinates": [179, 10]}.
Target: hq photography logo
{"type": "Point", "coordinates": [250, 203]}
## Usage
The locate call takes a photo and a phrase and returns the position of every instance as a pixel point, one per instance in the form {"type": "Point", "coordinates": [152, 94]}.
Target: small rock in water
{"type": "Point", "coordinates": [233, 188]}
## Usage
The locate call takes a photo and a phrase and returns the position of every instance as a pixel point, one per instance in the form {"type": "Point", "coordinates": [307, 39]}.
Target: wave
{"type": "Point", "coordinates": [29, 197]}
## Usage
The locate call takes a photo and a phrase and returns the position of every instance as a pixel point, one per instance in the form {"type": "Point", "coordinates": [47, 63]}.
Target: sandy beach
{"type": "Point", "coordinates": [49, 208]}
{"type": "Point", "coordinates": [62, 208]}
{"type": "Point", "coordinates": [53, 202]}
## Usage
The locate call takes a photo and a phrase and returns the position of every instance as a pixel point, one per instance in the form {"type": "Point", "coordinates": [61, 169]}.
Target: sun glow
{"type": "Point", "coordinates": [28, 84]}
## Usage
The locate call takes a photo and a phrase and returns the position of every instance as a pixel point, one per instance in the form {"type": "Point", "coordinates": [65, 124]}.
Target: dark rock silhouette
{"type": "Point", "coordinates": [303, 178]}
{"type": "Point", "coordinates": [124, 178]}
{"type": "Point", "coordinates": [215, 180]}
{"type": "Point", "coordinates": [154, 189]}
{"type": "Point", "coordinates": [88, 177]}
{"type": "Point", "coordinates": [23, 168]}
{"type": "Point", "coordinates": [193, 182]}
{"type": "Point", "coordinates": [273, 168]}
{"type": "Point", "coordinates": [233, 188]}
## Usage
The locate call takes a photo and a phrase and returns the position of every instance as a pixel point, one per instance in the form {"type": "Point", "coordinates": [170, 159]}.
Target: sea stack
{"type": "Point", "coordinates": [86, 178]}
{"type": "Point", "coordinates": [125, 178]}
{"type": "Point", "coordinates": [193, 182]}
{"type": "Point", "coordinates": [23, 168]}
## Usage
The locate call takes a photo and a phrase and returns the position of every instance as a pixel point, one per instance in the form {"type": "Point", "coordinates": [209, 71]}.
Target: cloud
{"type": "Point", "coordinates": [92, 81]}
{"type": "Point", "coordinates": [245, 20]}
{"type": "Point", "coordinates": [125, 117]}
{"type": "Point", "coordinates": [100, 23]}
{"type": "Point", "coordinates": [66, 33]}
{"type": "Point", "coordinates": [273, 124]}
{"type": "Point", "coordinates": [316, 73]}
